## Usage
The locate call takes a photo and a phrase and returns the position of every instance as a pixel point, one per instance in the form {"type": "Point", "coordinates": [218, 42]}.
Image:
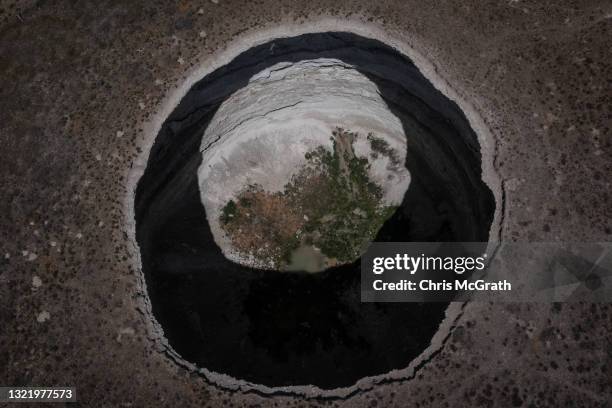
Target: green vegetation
{"type": "Point", "coordinates": [380, 146]}
{"type": "Point", "coordinates": [330, 204]}
{"type": "Point", "coordinates": [228, 212]}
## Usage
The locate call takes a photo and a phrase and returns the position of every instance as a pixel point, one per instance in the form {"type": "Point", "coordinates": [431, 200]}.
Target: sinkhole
{"type": "Point", "coordinates": [265, 184]}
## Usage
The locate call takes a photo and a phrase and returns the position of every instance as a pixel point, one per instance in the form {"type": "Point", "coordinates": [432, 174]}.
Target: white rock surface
{"type": "Point", "coordinates": [43, 316]}
{"type": "Point", "coordinates": [261, 133]}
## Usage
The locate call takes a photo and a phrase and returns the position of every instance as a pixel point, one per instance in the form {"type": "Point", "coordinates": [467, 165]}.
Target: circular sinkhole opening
{"type": "Point", "coordinates": [264, 186]}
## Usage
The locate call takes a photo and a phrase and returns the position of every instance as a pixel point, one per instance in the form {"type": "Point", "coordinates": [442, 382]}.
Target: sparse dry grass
{"type": "Point", "coordinates": [262, 221]}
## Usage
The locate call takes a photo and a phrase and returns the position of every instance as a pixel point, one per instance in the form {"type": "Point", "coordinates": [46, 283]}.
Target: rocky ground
{"type": "Point", "coordinates": [85, 86]}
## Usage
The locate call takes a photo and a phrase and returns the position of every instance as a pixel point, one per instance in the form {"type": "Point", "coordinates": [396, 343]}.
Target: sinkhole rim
{"type": "Point", "coordinates": [237, 46]}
